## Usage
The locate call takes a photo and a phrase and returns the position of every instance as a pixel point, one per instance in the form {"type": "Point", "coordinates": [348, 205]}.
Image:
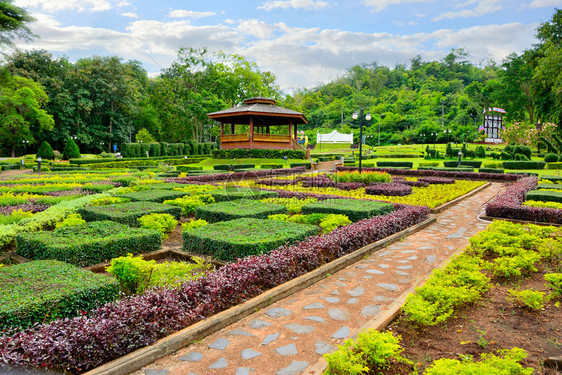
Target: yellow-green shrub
{"type": "Point", "coordinates": [163, 223]}
{"type": "Point", "coordinates": [104, 201]}
{"type": "Point", "coordinates": [72, 219]}
{"type": "Point", "coordinates": [190, 203]}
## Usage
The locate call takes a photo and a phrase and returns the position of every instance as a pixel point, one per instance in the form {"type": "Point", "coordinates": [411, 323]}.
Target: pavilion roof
{"type": "Point", "coordinates": [262, 110]}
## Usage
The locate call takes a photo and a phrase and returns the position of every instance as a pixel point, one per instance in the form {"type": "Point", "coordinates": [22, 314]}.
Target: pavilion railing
{"type": "Point", "coordinates": [234, 137]}
{"type": "Point", "coordinates": [272, 138]}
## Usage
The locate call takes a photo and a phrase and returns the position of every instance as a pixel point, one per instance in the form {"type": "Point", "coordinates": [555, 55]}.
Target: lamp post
{"type": "Point", "coordinates": [422, 139]}
{"type": "Point", "coordinates": [25, 143]}
{"type": "Point", "coordinates": [382, 116]}
{"type": "Point", "coordinates": [368, 118]}
{"type": "Point", "coordinates": [101, 146]}
{"type": "Point", "coordinates": [434, 139]}
{"type": "Point", "coordinates": [538, 125]}
{"type": "Point", "coordinates": [447, 132]}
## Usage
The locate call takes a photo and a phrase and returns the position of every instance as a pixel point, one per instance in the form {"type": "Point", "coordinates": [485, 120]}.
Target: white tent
{"type": "Point", "coordinates": [334, 137]}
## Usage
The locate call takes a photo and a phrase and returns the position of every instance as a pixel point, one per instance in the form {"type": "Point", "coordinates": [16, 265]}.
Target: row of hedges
{"type": "Point", "coordinates": [354, 209]}
{"type": "Point", "coordinates": [258, 154]}
{"type": "Point", "coordinates": [155, 158]}
{"type": "Point", "coordinates": [233, 193]}
{"type": "Point", "coordinates": [452, 174]}
{"type": "Point", "coordinates": [153, 195]}
{"type": "Point", "coordinates": [120, 328]}
{"type": "Point", "coordinates": [236, 175]}
{"type": "Point", "coordinates": [229, 240]}
{"type": "Point", "coordinates": [403, 164]}
{"type": "Point", "coordinates": [228, 167]}
{"type": "Point", "coordinates": [88, 244]}
{"type": "Point", "coordinates": [41, 291]}
{"type": "Point", "coordinates": [224, 211]}
{"type": "Point", "coordinates": [141, 163]}
{"type": "Point", "coordinates": [508, 205]}
{"type": "Point", "coordinates": [132, 150]}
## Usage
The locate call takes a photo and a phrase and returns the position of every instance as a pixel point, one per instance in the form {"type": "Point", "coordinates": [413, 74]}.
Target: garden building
{"type": "Point", "coordinates": [259, 124]}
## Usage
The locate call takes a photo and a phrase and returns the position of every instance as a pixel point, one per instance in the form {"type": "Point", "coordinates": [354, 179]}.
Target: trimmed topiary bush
{"type": "Point", "coordinates": [44, 290]}
{"type": "Point", "coordinates": [88, 244]}
{"type": "Point", "coordinates": [153, 195]}
{"type": "Point", "coordinates": [237, 209]}
{"type": "Point", "coordinates": [128, 213]}
{"type": "Point", "coordinates": [354, 209]}
{"type": "Point", "coordinates": [551, 158]}
{"type": "Point", "coordinates": [230, 194]}
{"type": "Point", "coordinates": [242, 237]}
{"type": "Point", "coordinates": [45, 151]}
{"type": "Point", "coordinates": [71, 150]}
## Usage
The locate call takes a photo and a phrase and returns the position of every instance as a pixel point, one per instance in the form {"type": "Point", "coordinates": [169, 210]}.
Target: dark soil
{"type": "Point", "coordinates": [491, 324]}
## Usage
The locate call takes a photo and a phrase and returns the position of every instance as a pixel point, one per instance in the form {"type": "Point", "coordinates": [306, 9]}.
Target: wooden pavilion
{"type": "Point", "coordinates": [260, 114]}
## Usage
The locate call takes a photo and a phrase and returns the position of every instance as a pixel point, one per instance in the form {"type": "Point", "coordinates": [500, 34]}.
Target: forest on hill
{"type": "Point", "coordinates": [104, 101]}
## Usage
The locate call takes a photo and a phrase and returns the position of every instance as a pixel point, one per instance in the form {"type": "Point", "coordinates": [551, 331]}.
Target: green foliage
{"type": "Point", "coordinates": [87, 244]}
{"type": "Point", "coordinates": [197, 189]}
{"type": "Point", "coordinates": [544, 196]}
{"type": "Point", "coordinates": [128, 213]}
{"type": "Point", "coordinates": [153, 195]}
{"type": "Point", "coordinates": [555, 283]}
{"type": "Point", "coordinates": [72, 219]}
{"type": "Point", "coordinates": [193, 224]}
{"type": "Point", "coordinates": [71, 150]}
{"type": "Point", "coordinates": [15, 216]}
{"type": "Point", "coordinates": [133, 273]}
{"type": "Point", "coordinates": [531, 299]}
{"type": "Point", "coordinates": [231, 194]}
{"type": "Point", "coordinates": [45, 151]}
{"type": "Point", "coordinates": [144, 136]}
{"type": "Point", "coordinates": [551, 158]}
{"type": "Point", "coordinates": [271, 166]}
{"type": "Point", "coordinates": [162, 223]}
{"type": "Point", "coordinates": [104, 201]}
{"type": "Point", "coordinates": [524, 164]}
{"type": "Point", "coordinates": [189, 204]}
{"type": "Point", "coordinates": [461, 282]}
{"type": "Point", "coordinates": [228, 240]}
{"type": "Point", "coordinates": [328, 222]}
{"type": "Point", "coordinates": [125, 180]}
{"type": "Point", "coordinates": [480, 152]}
{"type": "Point", "coordinates": [41, 291]}
{"type": "Point", "coordinates": [354, 209]}
{"type": "Point", "coordinates": [188, 168]}
{"type": "Point", "coordinates": [506, 363]}
{"type": "Point", "coordinates": [236, 209]}
{"type": "Point", "coordinates": [294, 205]}
{"type": "Point", "coordinates": [355, 176]}
{"type": "Point", "coordinates": [258, 154]}
{"type": "Point", "coordinates": [406, 164]}
{"type": "Point", "coordinates": [371, 352]}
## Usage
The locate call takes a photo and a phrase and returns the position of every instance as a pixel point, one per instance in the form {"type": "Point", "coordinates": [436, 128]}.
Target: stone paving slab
{"type": "Point", "coordinates": [294, 332]}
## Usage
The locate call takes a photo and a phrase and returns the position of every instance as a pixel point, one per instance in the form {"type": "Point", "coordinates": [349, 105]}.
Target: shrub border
{"type": "Point", "coordinates": [144, 356]}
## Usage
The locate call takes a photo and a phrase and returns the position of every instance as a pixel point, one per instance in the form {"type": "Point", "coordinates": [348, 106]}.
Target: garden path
{"type": "Point", "coordinates": [293, 333]}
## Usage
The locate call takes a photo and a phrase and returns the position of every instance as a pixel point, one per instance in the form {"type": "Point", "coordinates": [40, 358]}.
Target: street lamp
{"type": "Point", "coordinates": [25, 143]}
{"type": "Point", "coordinates": [382, 116]}
{"type": "Point", "coordinates": [538, 125]}
{"type": "Point", "coordinates": [101, 145]}
{"type": "Point", "coordinates": [447, 132]}
{"type": "Point", "coordinates": [368, 118]}
{"type": "Point", "coordinates": [434, 135]}
{"type": "Point", "coordinates": [422, 139]}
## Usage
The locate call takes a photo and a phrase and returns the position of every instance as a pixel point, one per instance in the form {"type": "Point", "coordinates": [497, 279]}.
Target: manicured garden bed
{"type": "Point", "coordinates": [88, 244]}
{"type": "Point", "coordinates": [238, 238]}
{"type": "Point", "coordinates": [40, 291]}
{"type": "Point", "coordinates": [237, 209]}
{"type": "Point", "coordinates": [128, 213]}
{"type": "Point", "coordinates": [354, 209]}
{"type": "Point", "coordinates": [153, 195]}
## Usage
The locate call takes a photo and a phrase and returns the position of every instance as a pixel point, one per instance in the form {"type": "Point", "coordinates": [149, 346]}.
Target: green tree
{"type": "Point", "coordinates": [71, 150]}
{"type": "Point", "coordinates": [144, 136]}
{"type": "Point", "coordinates": [21, 102]}
{"type": "Point", "coordinates": [45, 151]}
{"type": "Point", "coordinates": [13, 20]}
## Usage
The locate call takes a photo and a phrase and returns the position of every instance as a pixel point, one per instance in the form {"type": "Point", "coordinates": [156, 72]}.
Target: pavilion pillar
{"type": "Point", "coordinates": [295, 131]}
{"type": "Point", "coordinates": [222, 128]}
{"type": "Point", "coordinates": [290, 129]}
{"type": "Point", "coordinates": [267, 129]}
{"type": "Point", "coordinates": [232, 128]}
{"type": "Point", "coordinates": [251, 130]}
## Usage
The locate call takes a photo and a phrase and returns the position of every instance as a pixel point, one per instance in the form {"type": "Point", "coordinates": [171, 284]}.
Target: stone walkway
{"type": "Point", "coordinates": [292, 334]}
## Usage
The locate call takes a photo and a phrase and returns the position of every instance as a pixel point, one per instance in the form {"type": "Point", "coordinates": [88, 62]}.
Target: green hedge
{"type": "Point", "coordinates": [188, 168]}
{"type": "Point", "coordinates": [128, 213]}
{"type": "Point", "coordinates": [140, 163]}
{"type": "Point", "coordinates": [524, 164]}
{"type": "Point", "coordinates": [153, 195]}
{"type": "Point", "coordinates": [454, 163]}
{"type": "Point", "coordinates": [257, 154]}
{"type": "Point", "coordinates": [97, 188]}
{"type": "Point", "coordinates": [10, 167]}
{"type": "Point", "coordinates": [552, 178]}
{"type": "Point", "coordinates": [125, 180]}
{"type": "Point", "coordinates": [556, 165]}
{"type": "Point", "coordinates": [158, 158]}
{"type": "Point", "coordinates": [295, 165]}
{"type": "Point", "coordinates": [88, 244]}
{"type": "Point", "coordinates": [543, 186]}
{"type": "Point", "coordinates": [238, 209]}
{"type": "Point", "coordinates": [271, 166]}
{"type": "Point", "coordinates": [45, 290]}
{"type": "Point", "coordinates": [221, 167]}
{"type": "Point", "coordinates": [230, 194]}
{"type": "Point", "coordinates": [165, 149]}
{"type": "Point", "coordinates": [243, 166]}
{"type": "Point", "coordinates": [354, 209]}
{"type": "Point", "coordinates": [233, 239]}
{"type": "Point", "coordinates": [544, 196]}
{"type": "Point", "coordinates": [446, 169]}
{"type": "Point", "coordinates": [383, 164]}
{"type": "Point", "coordinates": [490, 170]}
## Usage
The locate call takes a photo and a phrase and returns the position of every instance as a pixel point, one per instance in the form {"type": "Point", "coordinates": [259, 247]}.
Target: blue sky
{"type": "Point", "coordinates": [303, 42]}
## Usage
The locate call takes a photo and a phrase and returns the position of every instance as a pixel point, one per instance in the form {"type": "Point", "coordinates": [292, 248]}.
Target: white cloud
{"type": "Point", "coordinates": [403, 23]}
{"type": "Point", "coordinates": [544, 3]}
{"type": "Point", "coordinates": [180, 13]}
{"type": "Point", "coordinates": [379, 5]}
{"type": "Point", "coordinates": [483, 7]}
{"type": "Point", "coordinates": [256, 28]}
{"type": "Point", "coordinates": [51, 6]}
{"type": "Point", "coordinates": [295, 4]}
{"type": "Point", "coordinates": [130, 15]}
